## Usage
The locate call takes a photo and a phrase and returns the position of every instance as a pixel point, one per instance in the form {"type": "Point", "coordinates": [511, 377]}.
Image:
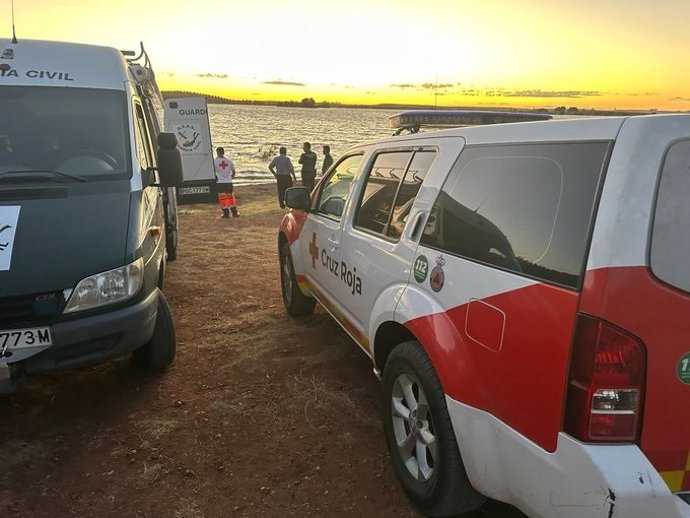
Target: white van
{"type": "Point", "coordinates": [84, 222]}
{"type": "Point", "coordinates": [524, 291]}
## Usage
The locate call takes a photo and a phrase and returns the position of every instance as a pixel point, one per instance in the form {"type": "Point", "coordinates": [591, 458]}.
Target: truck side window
{"type": "Point", "coordinates": [670, 246]}
{"type": "Point", "coordinates": [524, 208]}
{"type": "Point", "coordinates": [378, 196]}
{"type": "Point", "coordinates": [416, 172]}
{"type": "Point", "coordinates": [391, 187]}
{"type": "Point", "coordinates": [335, 188]}
{"type": "Point", "coordinates": [141, 139]}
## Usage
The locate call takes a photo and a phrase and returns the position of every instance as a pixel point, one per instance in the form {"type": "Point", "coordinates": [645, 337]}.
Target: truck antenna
{"type": "Point", "coordinates": [14, 34]}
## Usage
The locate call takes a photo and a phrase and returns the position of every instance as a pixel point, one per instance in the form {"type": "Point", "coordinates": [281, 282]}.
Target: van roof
{"type": "Point", "coordinates": [49, 63]}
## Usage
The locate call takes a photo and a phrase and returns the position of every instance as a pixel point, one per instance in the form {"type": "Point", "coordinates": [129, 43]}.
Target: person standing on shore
{"type": "Point", "coordinates": [308, 161]}
{"type": "Point", "coordinates": [281, 168]}
{"type": "Point", "coordinates": [327, 159]}
{"type": "Point", "coordinates": [225, 172]}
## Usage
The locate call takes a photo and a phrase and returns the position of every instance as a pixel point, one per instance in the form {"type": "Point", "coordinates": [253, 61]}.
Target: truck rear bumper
{"type": "Point", "coordinates": [96, 339]}
{"type": "Point", "coordinates": [575, 481]}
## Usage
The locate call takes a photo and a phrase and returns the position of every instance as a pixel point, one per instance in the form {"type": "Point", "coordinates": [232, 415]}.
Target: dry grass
{"type": "Point", "coordinates": [260, 415]}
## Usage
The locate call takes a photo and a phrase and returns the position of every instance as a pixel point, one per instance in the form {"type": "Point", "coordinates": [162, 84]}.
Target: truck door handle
{"type": "Point", "coordinates": [416, 224]}
{"type": "Point", "coordinates": [333, 242]}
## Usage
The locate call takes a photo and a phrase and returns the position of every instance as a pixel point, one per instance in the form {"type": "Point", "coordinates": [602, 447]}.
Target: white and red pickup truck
{"type": "Point", "coordinates": [524, 289]}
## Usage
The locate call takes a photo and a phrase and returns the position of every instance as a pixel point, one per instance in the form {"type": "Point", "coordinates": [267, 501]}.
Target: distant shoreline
{"type": "Point", "coordinates": [311, 103]}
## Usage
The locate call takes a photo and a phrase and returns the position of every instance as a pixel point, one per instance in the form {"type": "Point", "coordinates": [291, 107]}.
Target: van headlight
{"type": "Point", "coordinates": [107, 287]}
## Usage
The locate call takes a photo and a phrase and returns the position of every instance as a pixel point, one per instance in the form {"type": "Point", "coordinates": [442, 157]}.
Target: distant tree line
{"type": "Point", "coordinates": [307, 102]}
{"type": "Point", "coordinates": [310, 102]}
{"type": "Point", "coordinates": [560, 110]}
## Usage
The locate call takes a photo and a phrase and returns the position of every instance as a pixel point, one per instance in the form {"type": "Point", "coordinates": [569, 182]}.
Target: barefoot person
{"type": "Point", "coordinates": [225, 172]}
{"type": "Point", "coordinates": [281, 168]}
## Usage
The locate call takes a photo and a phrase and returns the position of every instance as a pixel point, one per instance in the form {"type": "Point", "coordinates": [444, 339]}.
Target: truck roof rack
{"type": "Point", "coordinates": [142, 71]}
{"type": "Point", "coordinates": [413, 120]}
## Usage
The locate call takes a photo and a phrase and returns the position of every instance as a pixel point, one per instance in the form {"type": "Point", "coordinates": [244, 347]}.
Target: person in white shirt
{"type": "Point", "coordinates": [281, 167]}
{"type": "Point", "coordinates": [225, 172]}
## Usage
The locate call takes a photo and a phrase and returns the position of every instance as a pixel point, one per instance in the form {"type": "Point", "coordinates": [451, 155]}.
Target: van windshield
{"type": "Point", "coordinates": [76, 131]}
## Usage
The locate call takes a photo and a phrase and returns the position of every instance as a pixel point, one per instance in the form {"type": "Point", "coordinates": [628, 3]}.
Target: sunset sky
{"type": "Point", "coordinates": [624, 54]}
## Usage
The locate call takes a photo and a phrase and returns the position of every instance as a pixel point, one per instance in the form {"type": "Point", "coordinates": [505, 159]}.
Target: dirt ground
{"type": "Point", "coordinates": [260, 414]}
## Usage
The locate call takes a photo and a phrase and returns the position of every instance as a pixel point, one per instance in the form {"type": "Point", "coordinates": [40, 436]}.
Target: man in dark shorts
{"type": "Point", "coordinates": [308, 161]}
{"type": "Point", "coordinates": [281, 168]}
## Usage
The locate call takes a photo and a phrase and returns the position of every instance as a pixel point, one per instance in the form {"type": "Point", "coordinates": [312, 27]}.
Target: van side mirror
{"type": "Point", "coordinates": [167, 140]}
{"type": "Point", "coordinates": [148, 176]}
{"type": "Point", "coordinates": [298, 198]}
{"type": "Point", "coordinates": [170, 170]}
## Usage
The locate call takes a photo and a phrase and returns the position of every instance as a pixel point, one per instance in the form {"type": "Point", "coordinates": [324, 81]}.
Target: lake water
{"type": "Point", "coordinates": [251, 135]}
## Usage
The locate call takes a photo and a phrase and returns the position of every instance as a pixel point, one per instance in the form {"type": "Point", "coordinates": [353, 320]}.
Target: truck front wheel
{"type": "Point", "coordinates": [159, 351]}
{"type": "Point", "coordinates": [296, 303]}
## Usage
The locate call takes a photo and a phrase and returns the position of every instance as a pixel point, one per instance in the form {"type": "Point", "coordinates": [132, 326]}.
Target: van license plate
{"type": "Point", "coordinates": [19, 338]}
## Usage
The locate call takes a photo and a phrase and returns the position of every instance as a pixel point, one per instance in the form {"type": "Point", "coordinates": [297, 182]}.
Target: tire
{"type": "Point", "coordinates": [296, 303]}
{"type": "Point", "coordinates": [420, 436]}
{"type": "Point", "coordinates": [161, 274]}
{"type": "Point", "coordinates": [171, 223]}
{"type": "Point", "coordinates": [171, 247]}
{"type": "Point", "coordinates": [159, 352]}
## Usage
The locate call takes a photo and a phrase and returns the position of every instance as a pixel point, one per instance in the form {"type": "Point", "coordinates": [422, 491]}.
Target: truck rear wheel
{"type": "Point", "coordinates": [296, 302]}
{"type": "Point", "coordinates": [420, 436]}
{"type": "Point", "coordinates": [159, 351]}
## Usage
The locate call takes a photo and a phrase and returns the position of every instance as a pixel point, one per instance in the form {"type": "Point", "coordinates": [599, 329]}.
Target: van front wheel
{"type": "Point", "coordinates": [420, 436]}
{"type": "Point", "coordinates": [159, 351]}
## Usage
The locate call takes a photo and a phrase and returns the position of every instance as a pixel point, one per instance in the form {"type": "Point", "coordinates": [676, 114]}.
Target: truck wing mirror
{"type": "Point", "coordinates": [170, 170]}
{"type": "Point", "coordinates": [298, 198]}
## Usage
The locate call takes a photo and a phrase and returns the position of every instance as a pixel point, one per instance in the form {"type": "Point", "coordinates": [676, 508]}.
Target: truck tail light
{"type": "Point", "coordinates": [605, 395]}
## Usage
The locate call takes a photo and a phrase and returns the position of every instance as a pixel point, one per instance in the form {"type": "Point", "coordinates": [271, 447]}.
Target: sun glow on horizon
{"type": "Point", "coordinates": [519, 53]}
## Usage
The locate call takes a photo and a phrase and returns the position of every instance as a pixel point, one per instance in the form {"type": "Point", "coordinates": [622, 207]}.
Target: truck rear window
{"type": "Point", "coordinates": [670, 247]}
{"type": "Point", "coordinates": [526, 208]}
{"type": "Point", "coordinates": [72, 130]}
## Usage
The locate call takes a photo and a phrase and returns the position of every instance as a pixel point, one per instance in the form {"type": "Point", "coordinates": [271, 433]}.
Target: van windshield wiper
{"type": "Point", "coordinates": [44, 171]}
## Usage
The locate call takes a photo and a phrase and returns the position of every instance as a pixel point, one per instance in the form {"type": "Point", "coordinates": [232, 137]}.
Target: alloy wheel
{"type": "Point", "coordinates": [413, 427]}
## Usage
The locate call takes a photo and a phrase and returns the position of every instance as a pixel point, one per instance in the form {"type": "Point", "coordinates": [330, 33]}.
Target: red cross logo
{"type": "Point", "coordinates": [223, 164]}
{"type": "Point", "coordinates": [313, 251]}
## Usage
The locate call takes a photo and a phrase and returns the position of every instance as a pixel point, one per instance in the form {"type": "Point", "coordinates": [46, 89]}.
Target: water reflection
{"type": "Point", "coordinates": [251, 135]}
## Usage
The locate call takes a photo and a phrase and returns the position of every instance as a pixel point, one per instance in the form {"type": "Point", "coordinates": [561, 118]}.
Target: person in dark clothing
{"type": "Point", "coordinates": [308, 161]}
{"type": "Point", "coordinates": [281, 168]}
{"type": "Point", "coordinates": [327, 159]}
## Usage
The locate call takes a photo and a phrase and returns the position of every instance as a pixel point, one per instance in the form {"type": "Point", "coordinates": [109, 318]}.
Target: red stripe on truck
{"type": "Point", "coordinates": [522, 380]}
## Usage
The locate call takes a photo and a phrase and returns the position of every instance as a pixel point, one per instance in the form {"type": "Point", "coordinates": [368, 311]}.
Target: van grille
{"type": "Point", "coordinates": [29, 309]}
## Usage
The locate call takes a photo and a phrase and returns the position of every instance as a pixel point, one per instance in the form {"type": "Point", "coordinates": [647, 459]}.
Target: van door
{"type": "Point", "coordinates": [152, 196]}
{"type": "Point", "coordinates": [376, 247]}
{"type": "Point", "coordinates": [505, 245]}
{"type": "Point", "coordinates": [320, 241]}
